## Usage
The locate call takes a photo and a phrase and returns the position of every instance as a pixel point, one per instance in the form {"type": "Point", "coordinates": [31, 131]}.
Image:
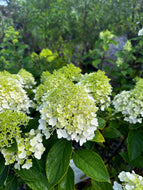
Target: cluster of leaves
{"type": "Point", "coordinates": [14, 55]}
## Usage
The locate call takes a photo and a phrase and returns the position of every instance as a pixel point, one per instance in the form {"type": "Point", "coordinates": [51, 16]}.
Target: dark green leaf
{"type": "Point", "coordinates": [68, 181]}
{"type": "Point", "coordinates": [91, 164]}
{"type": "Point", "coordinates": [96, 62]}
{"type": "Point", "coordinates": [111, 132]}
{"type": "Point", "coordinates": [32, 124]}
{"type": "Point", "coordinates": [135, 144]}
{"type": "Point", "coordinates": [3, 176]}
{"type": "Point", "coordinates": [35, 177]}
{"type": "Point", "coordinates": [101, 185]}
{"type": "Point", "coordinates": [114, 124]}
{"type": "Point", "coordinates": [138, 162]}
{"type": "Point", "coordinates": [2, 164]}
{"type": "Point", "coordinates": [58, 160]}
{"type": "Point", "coordinates": [11, 182]}
{"type": "Point", "coordinates": [13, 147]}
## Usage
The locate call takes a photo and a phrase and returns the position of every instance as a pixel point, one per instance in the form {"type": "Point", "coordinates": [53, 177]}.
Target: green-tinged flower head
{"type": "Point", "coordinates": [129, 181]}
{"type": "Point", "coordinates": [68, 109]}
{"type": "Point", "coordinates": [128, 46]}
{"type": "Point", "coordinates": [29, 146]}
{"type": "Point", "coordinates": [47, 54]}
{"type": "Point", "coordinates": [15, 77]}
{"type": "Point", "coordinates": [97, 84]}
{"type": "Point", "coordinates": [44, 77]}
{"type": "Point", "coordinates": [71, 72]}
{"type": "Point", "coordinates": [119, 61]}
{"type": "Point", "coordinates": [130, 103]}
{"type": "Point", "coordinates": [138, 89]}
{"type": "Point", "coordinates": [12, 95]}
{"type": "Point", "coordinates": [106, 35]}
{"type": "Point", "coordinates": [10, 122]}
{"type": "Point", "coordinates": [51, 81]}
{"type": "Point", "coordinates": [28, 78]}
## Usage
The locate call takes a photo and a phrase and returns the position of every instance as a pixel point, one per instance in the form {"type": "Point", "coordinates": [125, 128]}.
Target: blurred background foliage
{"type": "Point", "coordinates": [71, 30]}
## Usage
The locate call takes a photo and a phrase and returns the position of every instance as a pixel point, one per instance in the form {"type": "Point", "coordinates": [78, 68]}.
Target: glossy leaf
{"type": "Point", "coordinates": [68, 181]}
{"type": "Point", "coordinates": [35, 177]}
{"type": "Point", "coordinates": [91, 164]}
{"type": "Point", "coordinates": [58, 160]}
{"type": "Point", "coordinates": [135, 144]}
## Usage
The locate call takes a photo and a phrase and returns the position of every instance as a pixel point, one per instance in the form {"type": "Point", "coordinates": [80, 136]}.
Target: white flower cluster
{"type": "Point", "coordinates": [70, 111]}
{"type": "Point", "coordinates": [28, 147]}
{"type": "Point", "coordinates": [130, 103]}
{"type": "Point", "coordinates": [28, 80]}
{"type": "Point", "coordinates": [130, 181]}
{"type": "Point", "coordinates": [12, 94]}
{"type": "Point", "coordinates": [68, 102]}
{"type": "Point", "coordinates": [140, 33]}
{"type": "Point", "coordinates": [97, 85]}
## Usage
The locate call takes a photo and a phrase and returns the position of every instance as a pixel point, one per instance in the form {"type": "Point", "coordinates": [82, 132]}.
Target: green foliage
{"type": "Point", "coordinates": [101, 186]}
{"type": "Point", "coordinates": [135, 144]}
{"type": "Point", "coordinates": [91, 164]}
{"type": "Point", "coordinates": [35, 177]}
{"type": "Point", "coordinates": [58, 160]}
{"type": "Point", "coordinates": [68, 181]}
{"type": "Point", "coordinates": [12, 52]}
{"type": "Point", "coordinates": [70, 104]}
{"type": "Point", "coordinates": [98, 54]}
{"type": "Point", "coordinates": [45, 61]}
{"type": "Point", "coordinates": [5, 22]}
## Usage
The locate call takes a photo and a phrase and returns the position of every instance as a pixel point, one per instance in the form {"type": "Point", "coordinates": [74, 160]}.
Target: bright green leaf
{"type": "Point", "coordinates": [91, 164]}
{"type": "Point", "coordinates": [98, 137]}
